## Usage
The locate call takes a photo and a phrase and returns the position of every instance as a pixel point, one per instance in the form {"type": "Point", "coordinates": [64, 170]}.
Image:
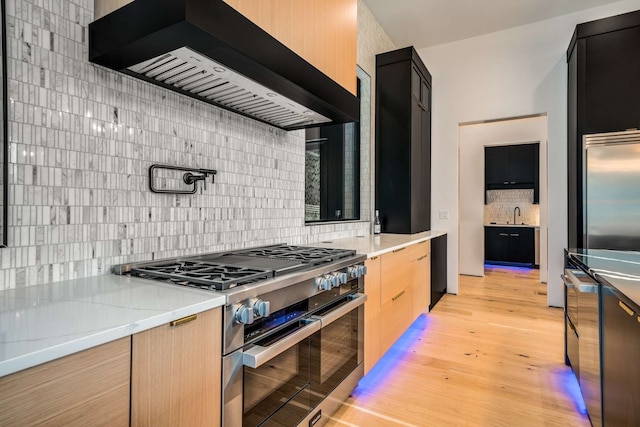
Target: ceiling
{"type": "Point", "coordinates": [424, 23]}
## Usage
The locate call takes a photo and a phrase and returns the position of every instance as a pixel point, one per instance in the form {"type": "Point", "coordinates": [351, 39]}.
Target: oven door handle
{"type": "Point", "coordinates": [256, 356]}
{"type": "Point", "coordinates": [356, 301]}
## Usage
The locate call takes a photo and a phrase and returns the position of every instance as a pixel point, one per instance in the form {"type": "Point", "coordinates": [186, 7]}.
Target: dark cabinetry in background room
{"type": "Point", "coordinates": [512, 167]}
{"type": "Point", "coordinates": [509, 245]}
{"type": "Point", "coordinates": [403, 142]}
{"type": "Point", "coordinates": [603, 93]}
{"type": "Point", "coordinates": [620, 370]}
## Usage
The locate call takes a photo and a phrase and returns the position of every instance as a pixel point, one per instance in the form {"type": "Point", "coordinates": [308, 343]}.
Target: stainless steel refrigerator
{"type": "Point", "coordinates": [612, 190]}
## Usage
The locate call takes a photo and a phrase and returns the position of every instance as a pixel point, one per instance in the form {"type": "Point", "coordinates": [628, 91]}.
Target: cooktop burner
{"type": "Point", "coordinates": [201, 274]}
{"type": "Point", "coordinates": [222, 271]}
{"type": "Point", "coordinates": [308, 255]}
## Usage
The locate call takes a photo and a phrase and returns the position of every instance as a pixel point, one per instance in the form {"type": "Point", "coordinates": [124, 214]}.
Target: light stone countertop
{"type": "Point", "coordinates": [42, 323]}
{"type": "Point", "coordinates": [377, 244]}
{"type": "Point", "coordinates": [513, 225]}
{"type": "Point", "coordinates": [620, 269]}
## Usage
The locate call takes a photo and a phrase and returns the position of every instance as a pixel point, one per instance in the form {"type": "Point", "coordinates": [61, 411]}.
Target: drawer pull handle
{"type": "Point", "coordinates": [424, 241]}
{"type": "Point", "coordinates": [625, 308]}
{"type": "Point", "coordinates": [184, 320]}
{"type": "Point", "coordinates": [398, 296]}
{"type": "Point", "coordinates": [504, 234]}
{"type": "Point", "coordinates": [515, 235]}
{"type": "Point", "coordinates": [398, 250]}
{"type": "Point", "coordinates": [422, 257]}
{"type": "Point", "coordinates": [373, 257]}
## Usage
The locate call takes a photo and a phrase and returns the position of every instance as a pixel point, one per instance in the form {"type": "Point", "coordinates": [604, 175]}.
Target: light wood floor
{"type": "Point", "coordinates": [490, 356]}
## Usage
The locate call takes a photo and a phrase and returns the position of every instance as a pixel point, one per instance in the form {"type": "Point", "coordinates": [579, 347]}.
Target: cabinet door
{"type": "Point", "coordinates": [496, 166]}
{"type": "Point", "coordinates": [496, 244]}
{"type": "Point", "coordinates": [612, 83]}
{"type": "Point", "coordinates": [396, 316]}
{"type": "Point", "coordinates": [620, 373]}
{"type": "Point", "coordinates": [372, 350]}
{"type": "Point", "coordinates": [422, 280]}
{"type": "Point", "coordinates": [424, 221]}
{"type": "Point", "coordinates": [175, 375]}
{"type": "Point", "coordinates": [89, 388]}
{"type": "Point", "coordinates": [521, 245]}
{"type": "Point", "coordinates": [522, 164]}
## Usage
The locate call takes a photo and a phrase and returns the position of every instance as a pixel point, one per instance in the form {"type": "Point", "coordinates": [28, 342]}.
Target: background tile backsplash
{"type": "Point", "coordinates": [82, 139]}
{"type": "Point", "coordinates": [501, 204]}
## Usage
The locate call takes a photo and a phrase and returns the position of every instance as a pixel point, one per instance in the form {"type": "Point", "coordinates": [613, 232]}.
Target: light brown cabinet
{"type": "Point", "coordinates": [323, 32]}
{"type": "Point", "coordinates": [422, 278]}
{"type": "Point", "coordinates": [175, 374]}
{"type": "Point", "coordinates": [398, 287]}
{"type": "Point", "coordinates": [89, 388]}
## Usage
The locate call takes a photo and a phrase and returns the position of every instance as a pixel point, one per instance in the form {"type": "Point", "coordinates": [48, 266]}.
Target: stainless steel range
{"type": "Point", "coordinates": [292, 328]}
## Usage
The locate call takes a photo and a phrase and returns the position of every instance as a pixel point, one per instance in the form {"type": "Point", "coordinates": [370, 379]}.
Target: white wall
{"type": "Point", "coordinates": [472, 139]}
{"type": "Point", "coordinates": [516, 72]}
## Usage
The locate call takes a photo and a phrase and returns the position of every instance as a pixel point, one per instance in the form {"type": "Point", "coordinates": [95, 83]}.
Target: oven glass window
{"type": "Point", "coordinates": [277, 393]}
{"type": "Point", "coordinates": [336, 351]}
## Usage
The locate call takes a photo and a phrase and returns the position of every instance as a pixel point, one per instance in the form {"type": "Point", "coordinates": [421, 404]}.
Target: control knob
{"type": "Point", "coordinates": [341, 278]}
{"type": "Point", "coordinates": [243, 315]}
{"type": "Point", "coordinates": [362, 269]}
{"type": "Point", "coordinates": [323, 283]}
{"type": "Point", "coordinates": [353, 271]}
{"type": "Point", "coordinates": [261, 308]}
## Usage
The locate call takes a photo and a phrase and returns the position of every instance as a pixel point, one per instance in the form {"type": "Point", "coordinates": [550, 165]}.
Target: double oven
{"type": "Point", "coordinates": [297, 364]}
{"type": "Point", "coordinates": [292, 328]}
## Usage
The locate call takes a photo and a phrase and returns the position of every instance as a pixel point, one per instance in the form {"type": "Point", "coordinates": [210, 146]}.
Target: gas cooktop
{"type": "Point", "coordinates": [223, 271]}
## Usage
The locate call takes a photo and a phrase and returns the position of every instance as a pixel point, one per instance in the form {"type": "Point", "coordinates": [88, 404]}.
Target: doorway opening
{"type": "Point", "coordinates": [473, 138]}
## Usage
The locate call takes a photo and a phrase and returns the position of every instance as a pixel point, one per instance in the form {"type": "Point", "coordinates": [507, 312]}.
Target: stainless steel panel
{"type": "Point", "coordinates": [334, 400]}
{"type": "Point", "coordinates": [611, 190]}
{"type": "Point", "coordinates": [186, 69]}
{"type": "Point", "coordinates": [589, 347]}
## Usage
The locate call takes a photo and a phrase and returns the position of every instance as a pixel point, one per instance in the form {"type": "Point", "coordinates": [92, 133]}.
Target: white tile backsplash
{"type": "Point", "coordinates": [82, 139]}
{"type": "Point", "coordinates": [502, 203]}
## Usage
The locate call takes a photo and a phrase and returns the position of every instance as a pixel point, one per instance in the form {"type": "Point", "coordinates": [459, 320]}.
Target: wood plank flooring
{"type": "Point", "coordinates": [490, 356]}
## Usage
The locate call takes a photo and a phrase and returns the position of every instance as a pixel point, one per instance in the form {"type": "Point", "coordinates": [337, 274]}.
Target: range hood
{"type": "Point", "coordinates": [207, 50]}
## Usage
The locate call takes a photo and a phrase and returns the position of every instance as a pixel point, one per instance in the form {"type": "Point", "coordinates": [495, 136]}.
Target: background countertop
{"type": "Point", "coordinates": [620, 269]}
{"type": "Point", "coordinates": [513, 225]}
{"type": "Point", "coordinates": [42, 323]}
{"type": "Point", "coordinates": [377, 244]}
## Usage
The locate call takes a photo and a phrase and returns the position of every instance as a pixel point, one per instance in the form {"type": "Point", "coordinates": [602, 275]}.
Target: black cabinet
{"type": "Point", "coordinates": [603, 91]}
{"type": "Point", "coordinates": [403, 142]}
{"type": "Point", "coordinates": [620, 372]}
{"type": "Point", "coordinates": [512, 167]}
{"type": "Point", "coordinates": [438, 269]}
{"type": "Point", "coordinates": [511, 245]}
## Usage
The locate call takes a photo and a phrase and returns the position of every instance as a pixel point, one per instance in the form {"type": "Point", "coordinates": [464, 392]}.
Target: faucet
{"type": "Point", "coordinates": [514, 214]}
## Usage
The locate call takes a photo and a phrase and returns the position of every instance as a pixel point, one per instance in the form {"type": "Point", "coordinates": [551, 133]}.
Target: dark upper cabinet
{"type": "Point", "coordinates": [603, 91]}
{"type": "Point", "coordinates": [509, 245]}
{"type": "Point", "coordinates": [512, 167]}
{"type": "Point", "coordinates": [403, 142]}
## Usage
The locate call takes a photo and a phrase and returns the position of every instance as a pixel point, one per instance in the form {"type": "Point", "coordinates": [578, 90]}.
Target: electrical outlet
{"type": "Point", "coordinates": [444, 215]}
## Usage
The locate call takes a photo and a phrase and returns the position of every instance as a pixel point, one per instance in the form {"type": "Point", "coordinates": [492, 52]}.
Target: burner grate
{"type": "Point", "coordinates": [202, 274]}
{"type": "Point", "coordinates": [308, 255]}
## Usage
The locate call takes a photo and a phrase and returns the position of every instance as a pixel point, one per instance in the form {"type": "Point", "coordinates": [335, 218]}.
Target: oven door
{"type": "Point", "coordinates": [268, 383]}
{"type": "Point", "coordinates": [337, 349]}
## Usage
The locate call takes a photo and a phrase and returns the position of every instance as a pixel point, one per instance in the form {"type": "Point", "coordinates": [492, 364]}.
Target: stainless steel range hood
{"type": "Point", "coordinates": [207, 50]}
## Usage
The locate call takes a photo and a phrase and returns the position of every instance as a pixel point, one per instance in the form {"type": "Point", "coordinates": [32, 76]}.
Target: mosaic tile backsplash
{"type": "Point", "coordinates": [501, 204]}
{"type": "Point", "coordinates": [82, 139]}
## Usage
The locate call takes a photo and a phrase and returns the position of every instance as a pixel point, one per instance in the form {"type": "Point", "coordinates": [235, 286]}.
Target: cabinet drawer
{"type": "Point", "coordinates": [86, 388]}
{"type": "Point", "coordinates": [396, 272]}
{"type": "Point", "coordinates": [422, 248]}
{"type": "Point", "coordinates": [396, 316]}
